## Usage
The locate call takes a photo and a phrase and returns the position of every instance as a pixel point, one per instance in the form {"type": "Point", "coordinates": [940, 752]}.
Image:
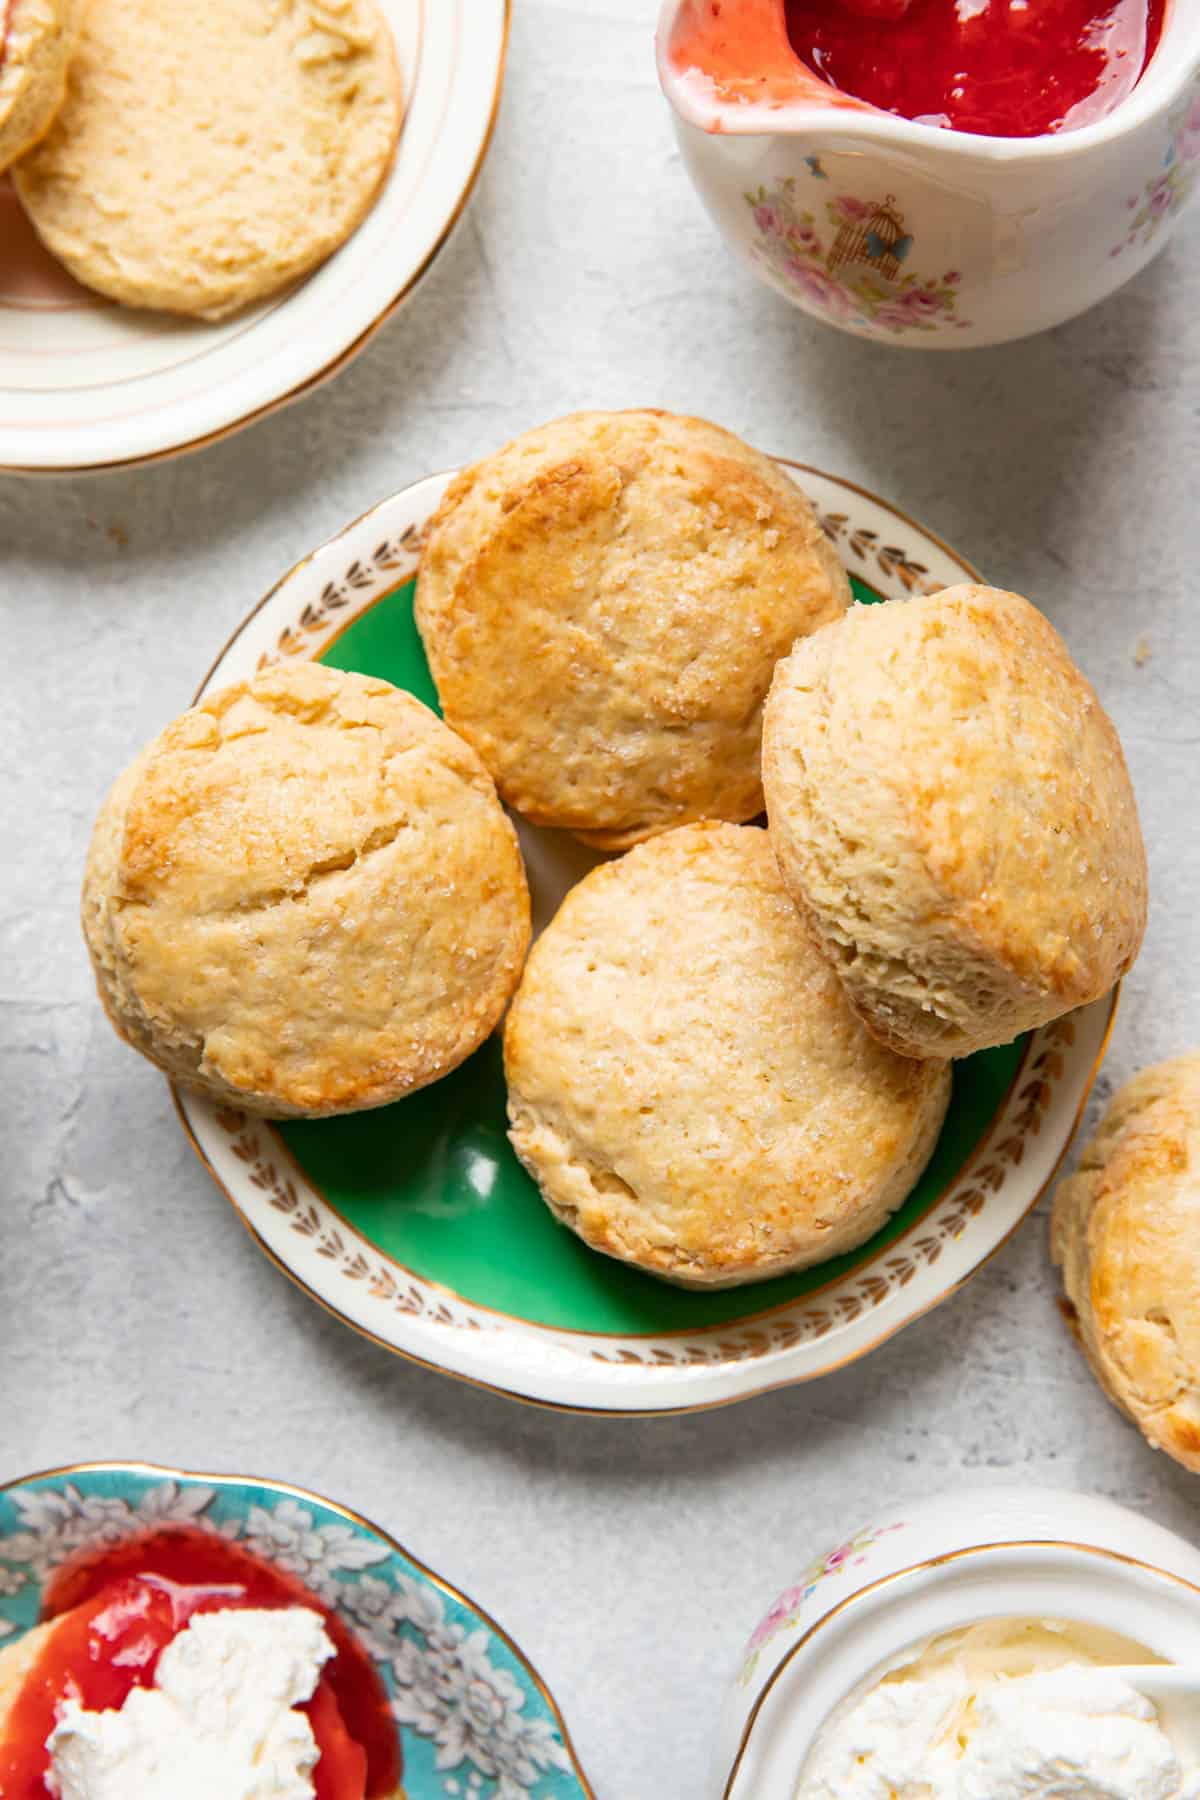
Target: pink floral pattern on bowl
{"type": "Point", "coordinates": [785, 1614]}
{"type": "Point", "coordinates": [1162, 197]}
{"type": "Point", "coordinates": [848, 267]}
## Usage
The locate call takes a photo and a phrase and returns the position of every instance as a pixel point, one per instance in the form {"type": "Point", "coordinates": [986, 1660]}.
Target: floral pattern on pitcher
{"type": "Point", "coordinates": [451, 1683]}
{"type": "Point", "coordinates": [787, 1609]}
{"type": "Point", "coordinates": [819, 262]}
{"type": "Point", "coordinates": [1163, 196]}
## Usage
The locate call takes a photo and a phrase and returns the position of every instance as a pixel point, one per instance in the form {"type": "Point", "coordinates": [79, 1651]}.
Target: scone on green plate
{"type": "Point", "coordinates": [602, 603]}
{"type": "Point", "coordinates": [688, 1084]}
{"type": "Point", "coordinates": [305, 897]}
{"type": "Point", "coordinates": [952, 812]}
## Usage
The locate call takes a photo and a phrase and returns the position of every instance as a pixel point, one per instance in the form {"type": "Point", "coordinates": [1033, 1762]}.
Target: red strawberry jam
{"type": "Point", "coordinates": [1007, 68]}
{"type": "Point", "coordinates": [126, 1604]}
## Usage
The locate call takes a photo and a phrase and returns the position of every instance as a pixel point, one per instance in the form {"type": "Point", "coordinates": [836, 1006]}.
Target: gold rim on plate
{"type": "Point", "coordinates": [337, 363]}
{"type": "Point", "coordinates": [922, 1568]}
{"type": "Point", "coordinates": [365, 1331]}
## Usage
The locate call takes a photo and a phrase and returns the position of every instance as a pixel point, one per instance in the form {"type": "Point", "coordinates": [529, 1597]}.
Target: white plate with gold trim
{"type": "Point", "coordinates": [85, 383]}
{"type": "Point", "coordinates": [416, 1225]}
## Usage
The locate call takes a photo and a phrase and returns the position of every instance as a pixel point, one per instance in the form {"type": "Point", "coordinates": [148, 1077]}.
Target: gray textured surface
{"type": "Point", "coordinates": [135, 1318]}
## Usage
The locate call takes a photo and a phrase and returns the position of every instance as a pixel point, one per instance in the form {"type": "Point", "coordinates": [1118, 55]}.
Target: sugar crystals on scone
{"type": "Point", "coordinates": [602, 603]}
{"type": "Point", "coordinates": [305, 897]}
{"type": "Point", "coordinates": [688, 1084]}
{"type": "Point", "coordinates": [952, 812]}
{"type": "Point", "coordinates": [1125, 1236]}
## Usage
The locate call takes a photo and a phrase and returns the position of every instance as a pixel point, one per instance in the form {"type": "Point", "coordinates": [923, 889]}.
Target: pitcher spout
{"type": "Point", "coordinates": [728, 66]}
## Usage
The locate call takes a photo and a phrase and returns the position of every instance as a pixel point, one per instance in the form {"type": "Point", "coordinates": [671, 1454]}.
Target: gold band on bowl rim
{"type": "Point", "coordinates": [294, 1492]}
{"type": "Point", "coordinates": [920, 1568]}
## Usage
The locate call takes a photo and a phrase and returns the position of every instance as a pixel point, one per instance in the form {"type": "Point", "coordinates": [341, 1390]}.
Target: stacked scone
{"type": "Point", "coordinates": [195, 159]}
{"type": "Point", "coordinates": [728, 1055]}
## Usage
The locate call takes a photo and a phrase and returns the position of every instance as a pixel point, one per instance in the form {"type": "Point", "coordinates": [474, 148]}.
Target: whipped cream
{"type": "Point", "coordinates": [218, 1721]}
{"type": "Point", "coordinates": [1019, 1712]}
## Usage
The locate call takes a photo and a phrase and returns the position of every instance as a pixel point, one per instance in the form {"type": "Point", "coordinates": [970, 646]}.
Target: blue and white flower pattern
{"type": "Point", "coordinates": [474, 1720]}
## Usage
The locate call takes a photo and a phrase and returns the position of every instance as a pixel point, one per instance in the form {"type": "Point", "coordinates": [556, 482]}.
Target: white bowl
{"type": "Point", "coordinates": [932, 1568]}
{"type": "Point", "coordinates": [88, 384]}
{"type": "Point", "coordinates": [915, 236]}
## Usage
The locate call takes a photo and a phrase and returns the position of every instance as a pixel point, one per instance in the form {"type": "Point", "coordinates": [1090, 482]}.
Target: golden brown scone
{"type": "Point", "coordinates": [687, 1082]}
{"type": "Point", "coordinates": [305, 897]}
{"type": "Point", "coordinates": [1126, 1233]}
{"type": "Point", "coordinates": [206, 156]}
{"type": "Point", "coordinates": [602, 603]}
{"type": "Point", "coordinates": [37, 41]}
{"type": "Point", "coordinates": [951, 809]}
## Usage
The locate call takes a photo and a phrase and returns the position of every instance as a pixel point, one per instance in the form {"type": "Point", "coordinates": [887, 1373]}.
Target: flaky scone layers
{"type": "Point", "coordinates": [687, 1082]}
{"type": "Point", "coordinates": [205, 156]}
{"type": "Point", "coordinates": [305, 897]}
{"type": "Point", "coordinates": [1126, 1233]}
{"type": "Point", "coordinates": [37, 41]}
{"type": "Point", "coordinates": [602, 603]}
{"type": "Point", "coordinates": [951, 809]}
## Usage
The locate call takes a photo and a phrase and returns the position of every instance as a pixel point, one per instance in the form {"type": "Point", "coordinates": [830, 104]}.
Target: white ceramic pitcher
{"type": "Point", "coordinates": [909, 234]}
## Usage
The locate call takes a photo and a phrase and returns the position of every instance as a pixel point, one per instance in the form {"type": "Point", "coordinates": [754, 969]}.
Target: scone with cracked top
{"type": "Point", "coordinates": [688, 1084]}
{"type": "Point", "coordinates": [37, 41]}
{"type": "Point", "coordinates": [602, 603]}
{"type": "Point", "coordinates": [305, 897]}
{"type": "Point", "coordinates": [1124, 1232]}
{"type": "Point", "coordinates": [951, 810]}
{"type": "Point", "coordinates": [206, 156]}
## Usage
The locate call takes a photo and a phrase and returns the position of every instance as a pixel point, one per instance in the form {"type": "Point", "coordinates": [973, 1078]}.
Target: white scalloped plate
{"type": "Point", "coordinates": [990, 1190]}
{"type": "Point", "coordinates": [88, 384]}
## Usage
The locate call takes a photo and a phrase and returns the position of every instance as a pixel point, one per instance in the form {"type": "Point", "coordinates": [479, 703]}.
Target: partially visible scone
{"type": "Point", "coordinates": [206, 156]}
{"type": "Point", "coordinates": [951, 809]}
{"type": "Point", "coordinates": [1126, 1234]}
{"type": "Point", "coordinates": [687, 1082]}
{"type": "Point", "coordinates": [17, 1661]}
{"type": "Point", "coordinates": [37, 41]}
{"type": "Point", "coordinates": [305, 897]}
{"type": "Point", "coordinates": [602, 603]}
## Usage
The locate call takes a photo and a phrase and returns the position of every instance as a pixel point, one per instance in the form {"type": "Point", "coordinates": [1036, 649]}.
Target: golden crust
{"type": "Point", "coordinates": [1124, 1233]}
{"type": "Point", "coordinates": [206, 156]}
{"type": "Point", "coordinates": [304, 897]}
{"type": "Point", "coordinates": [951, 808]}
{"type": "Point", "coordinates": [687, 1083]}
{"type": "Point", "coordinates": [602, 603]}
{"type": "Point", "coordinates": [36, 46]}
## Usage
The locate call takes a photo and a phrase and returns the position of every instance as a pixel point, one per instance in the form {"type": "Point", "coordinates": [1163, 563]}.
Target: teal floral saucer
{"type": "Point", "coordinates": [475, 1719]}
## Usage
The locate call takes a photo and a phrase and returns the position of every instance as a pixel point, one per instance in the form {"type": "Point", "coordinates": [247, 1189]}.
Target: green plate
{"type": "Point", "coordinates": [433, 1182]}
{"type": "Point", "coordinates": [416, 1223]}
